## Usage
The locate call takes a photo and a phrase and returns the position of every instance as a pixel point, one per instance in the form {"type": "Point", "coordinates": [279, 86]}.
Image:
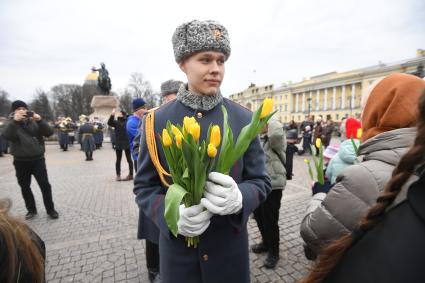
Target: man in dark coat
{"type": "Point", "coordinates": [201, 49]}
{"type": "Point", "coordinates": [25, 131]}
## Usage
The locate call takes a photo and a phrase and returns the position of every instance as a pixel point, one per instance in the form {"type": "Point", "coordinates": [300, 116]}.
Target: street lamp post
{"type": "Point", "coordinates": [309, 106]}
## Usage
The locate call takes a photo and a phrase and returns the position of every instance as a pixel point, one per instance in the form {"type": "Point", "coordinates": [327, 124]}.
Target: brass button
{"type": "Point", "coordinates": [199, 115]}
{"type": "Point", "coordinates": [205, 257]}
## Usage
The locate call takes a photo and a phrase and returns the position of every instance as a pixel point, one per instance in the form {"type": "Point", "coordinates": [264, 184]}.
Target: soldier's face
{"type": "Point", "coordinates": [204, 71]}
{"type": "Point", "coordinates": [169, 97]}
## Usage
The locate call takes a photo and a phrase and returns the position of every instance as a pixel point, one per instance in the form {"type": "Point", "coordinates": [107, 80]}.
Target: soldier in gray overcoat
{"type": "Point", "coordinates": [201, 49]}
{"type": "Point", "coordinates": [86, 132]}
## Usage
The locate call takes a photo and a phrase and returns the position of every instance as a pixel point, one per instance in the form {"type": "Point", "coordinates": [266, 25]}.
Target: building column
{"type": "Point", "coordinates": [317, 99]}
{"type": "Point", "coordinates": [343, 97]}
{"type": "Point", "coordinates": [334, 98]}
{"type": "Point", "coordinates": [296, 102]}
{"type": "Point", "coordinates": [303, 103]}
{"type": "Point", "coordinates": [353, 96]}
{"type": "Point", "coordinates": [325, 100]}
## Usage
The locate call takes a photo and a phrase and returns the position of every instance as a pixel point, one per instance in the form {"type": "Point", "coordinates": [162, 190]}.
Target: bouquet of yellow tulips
{"type": "Point", "coordinates": [190, 160]}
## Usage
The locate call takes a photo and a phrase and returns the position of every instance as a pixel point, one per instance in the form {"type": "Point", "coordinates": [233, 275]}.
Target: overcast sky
{"type": "Point", "coordinates": [43, 43]}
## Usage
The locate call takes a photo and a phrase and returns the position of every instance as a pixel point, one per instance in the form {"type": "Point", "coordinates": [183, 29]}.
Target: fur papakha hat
{"type": "Point", "coordinates": [170, 86]}
{"type": "Point", "coordinates": [197, 36]}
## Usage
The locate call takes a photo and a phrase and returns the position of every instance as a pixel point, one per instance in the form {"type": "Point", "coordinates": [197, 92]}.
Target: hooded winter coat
{"type": "Point", "coordinates": [329, 216]}
{"type": "Point", "coordinates": [345, 157]}
{"type": "Point", "coordinates": [388, 122]}
{"type": "Point", "coordinates": [396, 255]}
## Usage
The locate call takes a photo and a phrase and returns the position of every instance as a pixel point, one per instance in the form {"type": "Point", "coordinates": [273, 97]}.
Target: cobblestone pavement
{"type": "Point", "coordinates": [94, 239]}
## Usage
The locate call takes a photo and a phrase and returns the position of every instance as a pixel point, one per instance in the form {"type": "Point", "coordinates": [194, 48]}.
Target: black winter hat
{"type": "Point", "coordinates": [292, 134]}
{"type": "Point", "coordinates": [18, 103]}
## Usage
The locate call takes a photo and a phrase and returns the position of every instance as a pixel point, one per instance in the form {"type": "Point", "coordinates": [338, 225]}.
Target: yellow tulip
{"type": "Point", "coordinates": [359, 133]}
{"type": "Point", "coordinates": [215, 136]}
{"type": "Point", "coordinates": [306, 161]}
{"type": "Point", "coordinates": [211, 150]}
{"type": "Point", "coordinates": [166, 139]}
{"type": "Point", "coordinates": [188, 122]}
{"type": "Point", "coordinates": [318, 142]}
{"type": "Point", "coordinates": [175, 130]}
{"type": "Point", "coordinates": [267, 107]}
{"type": "Point", "coordinates": [195, 131]}
{"type": "Point", "coordinates": [179, 138]}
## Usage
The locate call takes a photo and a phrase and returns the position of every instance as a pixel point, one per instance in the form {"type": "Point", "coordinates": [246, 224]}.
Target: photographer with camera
{"type": "Point", "coordinates": [25, 131]}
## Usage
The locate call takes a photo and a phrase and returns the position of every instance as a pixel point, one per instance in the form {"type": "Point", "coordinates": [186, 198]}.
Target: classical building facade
{"type": "Point", "coordinates": [333, 95]}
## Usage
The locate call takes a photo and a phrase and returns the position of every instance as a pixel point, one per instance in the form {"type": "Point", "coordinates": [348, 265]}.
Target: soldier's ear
{"type": "Point", "coordinates": [182, 66]}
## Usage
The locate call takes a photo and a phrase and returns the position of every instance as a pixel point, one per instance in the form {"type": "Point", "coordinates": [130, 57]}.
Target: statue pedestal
{"type": "Point", "coordinates": [102, 106]}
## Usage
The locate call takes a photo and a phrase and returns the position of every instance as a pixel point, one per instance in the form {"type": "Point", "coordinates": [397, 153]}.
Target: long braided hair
{"type": "Point", "coordinates": [22, 254]}
{"type": "Point", "coordinates": [331, 255]}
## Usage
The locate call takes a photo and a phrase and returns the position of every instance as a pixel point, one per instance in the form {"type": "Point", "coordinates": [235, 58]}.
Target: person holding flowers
{"type": "Point", "coordinates": [388, 124]}
{"type": "Point", "coordinates": [209, 242]}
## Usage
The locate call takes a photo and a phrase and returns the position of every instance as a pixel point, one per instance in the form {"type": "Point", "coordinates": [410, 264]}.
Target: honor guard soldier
{"type": "Point", "coordinates": [201, 49]}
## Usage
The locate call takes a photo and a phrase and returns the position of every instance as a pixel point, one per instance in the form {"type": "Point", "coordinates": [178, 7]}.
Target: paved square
{"type": "Point", "coordinates": [94, 239]}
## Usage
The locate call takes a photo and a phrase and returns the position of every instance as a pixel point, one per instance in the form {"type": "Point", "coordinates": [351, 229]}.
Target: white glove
{"type": "Point", "coordinates": [222, 195]}
{"type": "Point", "coordinates": [193, 220]}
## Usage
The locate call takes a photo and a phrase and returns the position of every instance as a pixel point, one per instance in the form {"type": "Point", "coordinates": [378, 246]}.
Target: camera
{"type": "Point", "coordinates": [29, 114]}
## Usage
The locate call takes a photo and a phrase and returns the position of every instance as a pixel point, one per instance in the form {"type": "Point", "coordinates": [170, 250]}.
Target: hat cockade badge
{"type": "Point", "coordinates": [217, 34]}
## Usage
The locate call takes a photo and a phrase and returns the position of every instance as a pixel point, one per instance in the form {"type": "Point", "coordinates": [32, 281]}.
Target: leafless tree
{"type": "Point", "coordinates": [5, 103]}
{"type": "Point", "coordinates": [138, 87]}
{"type": "Point", "coordinates": [41, 105]}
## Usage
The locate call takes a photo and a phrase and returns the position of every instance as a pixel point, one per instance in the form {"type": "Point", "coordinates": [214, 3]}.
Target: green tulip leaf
{"type": "Point", "coordinates": [173, 199]}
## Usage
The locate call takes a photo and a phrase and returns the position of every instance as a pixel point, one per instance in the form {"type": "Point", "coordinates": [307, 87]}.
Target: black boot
{"type": "Point", "coordinates": [91, 155]}
{"type": "Point", "coordinates": [271, 260]}
{"type": "Point", "coordinates": [259, 248]}
{"type": "Point", "coordinates": [153, 274]}
{"type": "Point", "coordinates": [87, 156]}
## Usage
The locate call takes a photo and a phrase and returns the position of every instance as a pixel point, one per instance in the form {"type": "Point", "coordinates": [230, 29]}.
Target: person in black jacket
{"type": "Point", "coordinates": [25, 131]}
{"type": "Point", "coordinates": [121, 143]}
{"type": "Point", "coordinates": [388, 246]}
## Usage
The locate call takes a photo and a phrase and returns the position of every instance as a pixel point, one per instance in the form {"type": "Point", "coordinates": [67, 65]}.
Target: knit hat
{"type": "Point", "coordinates": [170, 86]}
{"type": "Point", "coordinates": [138, 103]}
{"type": "Point", "coordinates": [292, 134]}
{"type": "Point", "coordinates": [392, 105]}
{"type": "Point", "coordinates": [330, 151]}
{"type": "Point", "coordinates": [196, 36]}
{"type": "Point", "coordinates": [18, 103]}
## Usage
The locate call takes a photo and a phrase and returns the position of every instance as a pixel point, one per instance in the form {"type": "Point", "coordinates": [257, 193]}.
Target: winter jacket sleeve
{"type": "Point", "coordinates": [132, 128]}
{"type": "Point", "coordinates": [44, 129]}
{"type": "Point", "coordinates": [10, 131]}
{"type": "Point", "coordinates": [149, 193]}
{"type": "Point", "coordinates": [111, 121]}
{"type": "Point", "coordinates": [337, 213]}
{"type": "Point", "coordinates": [277, 138]}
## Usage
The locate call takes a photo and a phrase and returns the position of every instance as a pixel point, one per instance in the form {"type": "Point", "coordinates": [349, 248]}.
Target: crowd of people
{"type": "Point", "coordinates": [369, 207]}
